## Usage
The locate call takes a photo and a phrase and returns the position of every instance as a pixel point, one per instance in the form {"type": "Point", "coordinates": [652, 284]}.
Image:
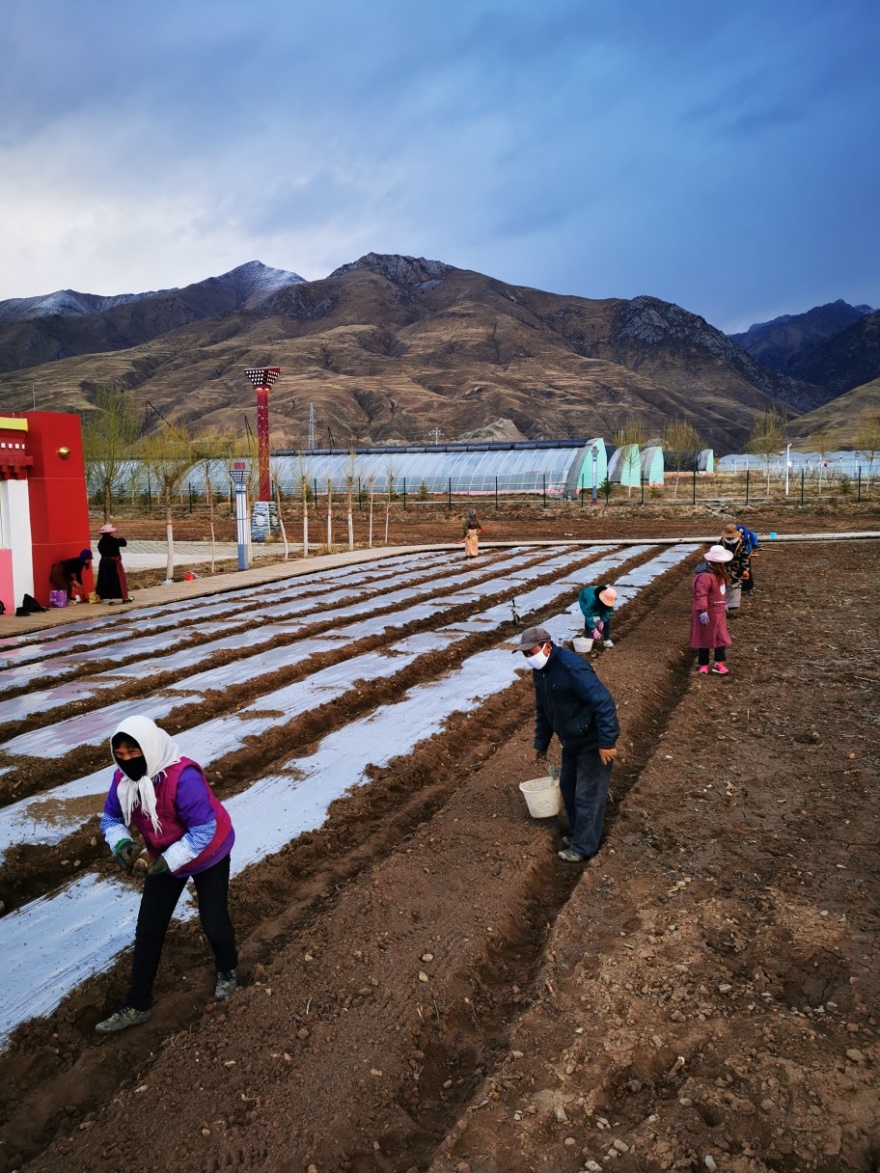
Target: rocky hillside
{"type": "Point", "coordinates": [394, 348]}
{"type": "Point", "coordinates": [847, 360]}
{"type": "Point", "coordinates": [781, 343]}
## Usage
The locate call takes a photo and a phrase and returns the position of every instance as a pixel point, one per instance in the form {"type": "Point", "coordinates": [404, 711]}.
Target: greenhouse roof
{"type": "Point", "coordinates": [552, 466]}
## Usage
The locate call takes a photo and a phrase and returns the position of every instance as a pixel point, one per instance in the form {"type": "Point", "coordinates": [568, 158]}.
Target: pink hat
{"type": "Point", "coordinates": [718, 554]}
{"type": "Point", "coordinates": [608, 596]}
{"type": "Point", "coordinates": [107, 529]}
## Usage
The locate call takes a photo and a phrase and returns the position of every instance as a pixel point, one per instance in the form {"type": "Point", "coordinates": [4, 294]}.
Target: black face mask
{"type": "Point", "coordinates": [134, 768]}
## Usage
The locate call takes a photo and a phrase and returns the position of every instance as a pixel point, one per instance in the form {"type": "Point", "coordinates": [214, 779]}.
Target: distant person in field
{"type": "Point", "coordinates": [597, 604]}
{"type": "Point", "coordinates": [165, 798]}
{"type": "Point", "coordinates": [709, 611]}
{"type": "Point", "coordinates": [572, 702]}
{"type": "Point", "coordinates": [111, 586]}
{"type": "Point", "coordinates": [752, 546]}
{"type": "Point", "coordinates": [66, 575]}
{"type": "Point", "coordinates": [738, 569]}
{"type": "Point", "coordinates": [471, 535]}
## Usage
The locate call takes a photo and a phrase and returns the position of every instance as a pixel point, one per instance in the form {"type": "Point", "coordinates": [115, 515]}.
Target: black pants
{"type": "Point", "coordinates": [158, 902]}
{"type": "Point", "coordinates": [584, 782]}
{"type": "Point", "coordinates": [703, 655]}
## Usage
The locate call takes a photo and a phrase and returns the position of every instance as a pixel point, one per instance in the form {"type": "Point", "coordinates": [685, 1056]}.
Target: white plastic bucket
{"type": "Point", "coordinates": [542, 797]}
{"type": "Point", "coordinates": [582, 643]}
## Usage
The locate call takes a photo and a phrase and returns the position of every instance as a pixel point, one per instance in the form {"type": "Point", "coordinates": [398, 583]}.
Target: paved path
{"type": "Point", "coordinates": [270, 571]}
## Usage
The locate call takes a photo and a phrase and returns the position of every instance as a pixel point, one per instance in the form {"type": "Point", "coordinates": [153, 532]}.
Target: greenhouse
{"type": "Point", "coordinates": [652, 465]}
{"type": "Point", "coordinates": [625, 465]}
{"type": "Point", "coordinates": [559, 467]}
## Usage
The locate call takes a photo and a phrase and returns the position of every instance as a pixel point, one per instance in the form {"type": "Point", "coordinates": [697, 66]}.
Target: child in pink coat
{"type": "Point", "coordinates": [709, 611]}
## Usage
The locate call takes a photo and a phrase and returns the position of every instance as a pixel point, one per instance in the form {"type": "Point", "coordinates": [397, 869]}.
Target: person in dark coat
{"type": "Point", "coordinates": [597, 603]}
{"type": "Point", "coordinates": [573, 703]}
{"type": "Point", "coordinates": [66, 575]}
{"type": "Point", "coordinates": [111, 586]}
{"type": "Point", "coordinates": [166, 797]}
{"type": "Point", "coordinates": [709, 611]}
{"type": "Point", "coordinates": [738, 570]}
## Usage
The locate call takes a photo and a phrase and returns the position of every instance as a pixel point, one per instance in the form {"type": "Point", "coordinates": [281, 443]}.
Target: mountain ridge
{"type": "Point", "coordinates": [390, 348]}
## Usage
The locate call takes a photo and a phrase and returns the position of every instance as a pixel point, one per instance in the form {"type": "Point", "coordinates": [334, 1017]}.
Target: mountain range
{"type": "Point", "coordinates": [403, 349]}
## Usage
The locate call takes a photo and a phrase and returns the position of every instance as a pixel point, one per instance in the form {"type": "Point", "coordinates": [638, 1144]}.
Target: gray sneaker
{"type": "Point", "coordinates": [123, 1018]}
{"type": "Point", "coordinates": [227, 984]}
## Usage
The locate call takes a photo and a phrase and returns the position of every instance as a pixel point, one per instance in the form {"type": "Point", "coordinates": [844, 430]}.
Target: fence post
{"type": "Point", "coordinates": [747, 485]}
{"type": "Point", "coordinates": [449, 495]}
{"type": "Point", "coordinates": [803, 474]}
{"type": "Point", "coordinates": [404, 494]}
{"type": "Point", "coordinates": [544, 490]}
{"type": "Point", "coordinates": [694, 486]}
{"type": "Point", "coordinates": [859, 483]}
{"type": "Point", "coordinates": [642, 484]}
{"type": "Point", "coordinates": [496, 494]}
{"type": "Point", "coordinates": [190, 498]}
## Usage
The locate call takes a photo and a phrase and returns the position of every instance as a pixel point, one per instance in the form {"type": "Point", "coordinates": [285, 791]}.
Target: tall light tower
{"type": "Point", "coordinates": [264, 520]}
{"type": "Point", "coordinates": [262, 379]}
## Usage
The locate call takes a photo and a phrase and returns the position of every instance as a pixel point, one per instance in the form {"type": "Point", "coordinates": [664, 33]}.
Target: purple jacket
{"type": "Point", "coordinates": [196, 830]}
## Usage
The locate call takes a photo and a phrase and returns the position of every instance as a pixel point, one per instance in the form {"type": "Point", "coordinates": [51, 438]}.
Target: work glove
{"type": "Point", "coordinates": [596, 633]}
{"type": "Point", "coordinates": [704, 617]}
{"type": "Point", "coordinates": [607, 756]}
{"type": "Point", "coordinates": [123, 853]}
{"type": "Point", "coordinates": [540, 755]}
{"type": "Point", "coordinates": [158, 866]}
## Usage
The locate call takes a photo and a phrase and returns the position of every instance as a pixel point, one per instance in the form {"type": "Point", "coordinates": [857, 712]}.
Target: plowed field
{"type": "Point", "coordinates": [426, 986]}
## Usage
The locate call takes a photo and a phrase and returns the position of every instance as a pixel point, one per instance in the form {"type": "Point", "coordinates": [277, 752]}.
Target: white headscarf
{"type": "Point", "coordinates": [159, 751]}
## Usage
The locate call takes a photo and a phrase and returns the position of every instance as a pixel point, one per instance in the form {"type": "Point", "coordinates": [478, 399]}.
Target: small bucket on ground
{"type": "Point", "coordinates": [542, 797]}
{"type": "Point", "coordinates": [582, 643]}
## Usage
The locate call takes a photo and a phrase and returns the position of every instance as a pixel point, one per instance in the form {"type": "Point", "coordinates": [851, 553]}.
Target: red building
{"type": "Point", "coordinates": [44, 510]}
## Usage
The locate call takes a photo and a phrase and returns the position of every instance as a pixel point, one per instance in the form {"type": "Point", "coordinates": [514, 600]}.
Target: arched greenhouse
{"type": "Point", "coordinates": [652, 465]}
{"type": "Point", "coordinates": [561, 468]}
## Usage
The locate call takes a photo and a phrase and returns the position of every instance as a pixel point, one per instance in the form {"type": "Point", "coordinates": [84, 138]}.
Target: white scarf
{"type": "Point", "coordinates": [160, 752]}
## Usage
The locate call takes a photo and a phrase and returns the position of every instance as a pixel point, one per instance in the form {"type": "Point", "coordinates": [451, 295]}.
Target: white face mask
{"type": "Point", "coordinates": [538, 660]}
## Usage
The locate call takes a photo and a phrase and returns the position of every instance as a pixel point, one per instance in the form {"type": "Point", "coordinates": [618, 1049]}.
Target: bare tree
{"type": "Point", "coordinates": [868, 436]}
{"type": "Point", "coordinates": [109, 434]}
{"type": "Point", "coordinates": [275, 477]}
{"type": "Point", "coordinates": [350, 475]}
{"type": "Point", "coordinates": [390, 474]}
{"type": "Point", "coordinates": [630, 437]}
{"type": "Point", "coordinates": [822, 440]}
{"type": "Point", "coordinates": [302, 469]}
{"type": "Point", "coordinates": [681, 447]}
{"type": "Point", "coordinates": [211, 451]}
{"type": "Point", "coordinates": [371, 481]}
{"type": "Point", "coordinates": [768, 435]}
{"type": "Point", "coordinates": [168, 455]}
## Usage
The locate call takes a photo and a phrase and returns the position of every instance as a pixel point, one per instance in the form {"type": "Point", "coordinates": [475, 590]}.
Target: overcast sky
{"type": "Point", "coordinates": [724, 156]}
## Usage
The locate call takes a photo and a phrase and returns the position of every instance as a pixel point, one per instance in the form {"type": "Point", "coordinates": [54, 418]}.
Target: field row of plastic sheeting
{"type": "Point", "coordinates": [55, 943]}
{"type": "Point", "coordinates": [49, 817]}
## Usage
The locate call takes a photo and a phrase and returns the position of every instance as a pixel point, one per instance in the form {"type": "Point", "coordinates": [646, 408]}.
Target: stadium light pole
{"type": "Point", "coordinates": [262, 379]}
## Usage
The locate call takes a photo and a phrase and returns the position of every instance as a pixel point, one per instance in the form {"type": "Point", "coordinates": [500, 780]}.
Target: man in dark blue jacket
{"type": "Point", "coordinates": [573, 703]}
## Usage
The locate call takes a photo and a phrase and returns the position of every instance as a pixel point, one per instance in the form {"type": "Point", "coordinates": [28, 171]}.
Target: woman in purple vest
{"type": "Point", "coordinates": [188, 832]}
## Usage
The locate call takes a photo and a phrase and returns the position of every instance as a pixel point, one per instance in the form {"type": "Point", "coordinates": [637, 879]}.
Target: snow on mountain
{"type": "Point", "coordinates": [249, 283]}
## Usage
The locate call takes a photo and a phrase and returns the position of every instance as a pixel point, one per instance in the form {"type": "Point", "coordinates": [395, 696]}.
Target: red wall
{"type": "Point", "coordinates": [58, 496]}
